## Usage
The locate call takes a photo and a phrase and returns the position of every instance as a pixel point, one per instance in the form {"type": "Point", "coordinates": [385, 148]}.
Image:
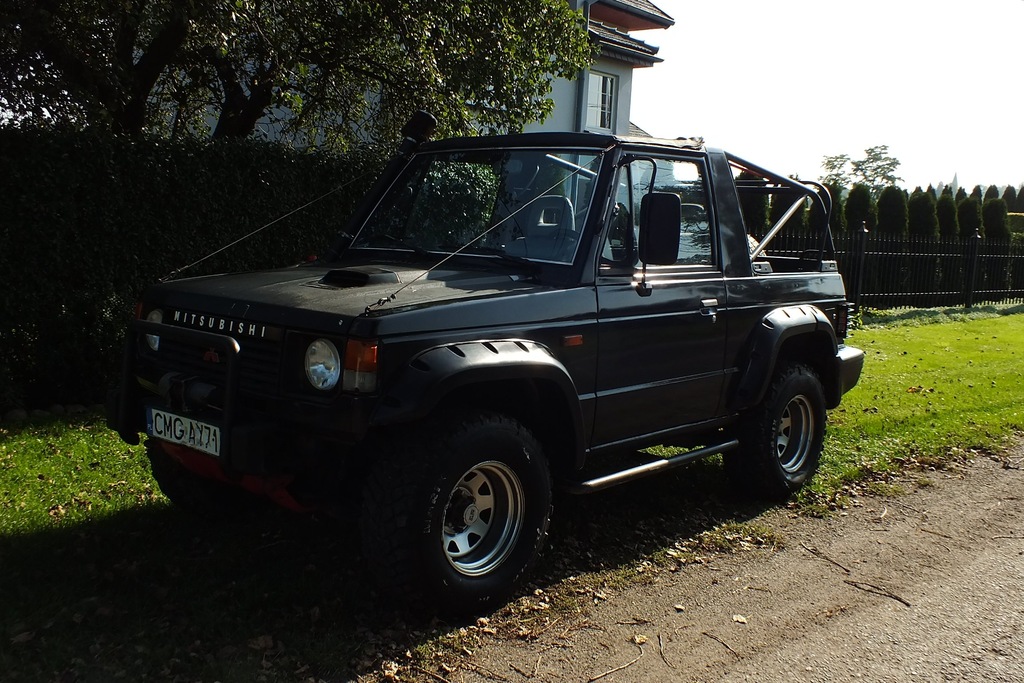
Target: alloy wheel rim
{"type": "Point", "coordinates": [483, 519]}
{"type": "Point", "coordinates": [794, 433]}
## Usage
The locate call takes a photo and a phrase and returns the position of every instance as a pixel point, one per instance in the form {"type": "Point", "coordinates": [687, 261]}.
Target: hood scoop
{"type": "Point", "coordinates": [359, 276]}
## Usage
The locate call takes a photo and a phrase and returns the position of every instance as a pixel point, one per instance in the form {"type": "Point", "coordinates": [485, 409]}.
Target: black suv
{"type": "Point", "coordinates": [498, 311]}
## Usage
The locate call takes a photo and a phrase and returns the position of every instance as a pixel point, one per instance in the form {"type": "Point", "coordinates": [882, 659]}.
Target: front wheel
{"type": "Point", "coordinates": [781, 439]}
{"type": "Point", "coordinates": [455, 514]}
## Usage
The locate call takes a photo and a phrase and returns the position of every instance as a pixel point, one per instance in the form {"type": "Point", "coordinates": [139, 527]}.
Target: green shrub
{"type": "Point", "coordinates": [88, 220]}
{"type": "Point", "coordinates": [1015, 222]}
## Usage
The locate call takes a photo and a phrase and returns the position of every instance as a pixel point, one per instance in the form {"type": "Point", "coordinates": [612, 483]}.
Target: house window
{"type": "Point", "coordinates": [601, 101]}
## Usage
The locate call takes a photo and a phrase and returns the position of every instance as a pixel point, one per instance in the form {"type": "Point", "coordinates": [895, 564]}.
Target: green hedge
{"type": "Point", "coordinates": [87, 221]}
{"type": "Point", "coordinates": [1015, 221]}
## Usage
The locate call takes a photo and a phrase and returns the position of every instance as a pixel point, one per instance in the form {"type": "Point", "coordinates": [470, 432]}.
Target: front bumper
{"type": "Point", "coordinates": [849, 363]}
{"type": "Point", "coordinates": [259, 435]}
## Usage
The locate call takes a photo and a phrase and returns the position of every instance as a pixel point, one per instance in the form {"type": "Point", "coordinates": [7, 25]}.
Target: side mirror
{"type": "Point", "coordinates": [660, 216]}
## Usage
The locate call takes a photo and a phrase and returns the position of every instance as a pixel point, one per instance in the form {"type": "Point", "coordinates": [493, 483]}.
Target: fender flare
{"type": "Point", "coordinates": [768, 338]}
{"type": "Point", "coordinates": [437, 372]}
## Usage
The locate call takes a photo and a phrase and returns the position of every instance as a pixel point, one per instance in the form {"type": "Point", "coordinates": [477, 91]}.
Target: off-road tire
{"type": "Point", "coordinates": [455, 513]}
{"type": "Point", "coordinates": [206, 498]}
{"type": "Point", "coordinates": [781, 439]}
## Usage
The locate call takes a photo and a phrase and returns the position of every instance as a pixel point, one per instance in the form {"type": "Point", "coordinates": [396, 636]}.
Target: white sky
{"type": "Point", "coordinates": [785, 83]}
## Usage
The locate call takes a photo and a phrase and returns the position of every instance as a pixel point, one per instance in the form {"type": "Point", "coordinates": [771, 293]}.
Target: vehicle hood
{"type": "Point", "coordinates": [320, 297]}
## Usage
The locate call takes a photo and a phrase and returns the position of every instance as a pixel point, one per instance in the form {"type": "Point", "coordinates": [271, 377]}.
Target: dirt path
{"type": "Point", "coordinates": [927, 586]}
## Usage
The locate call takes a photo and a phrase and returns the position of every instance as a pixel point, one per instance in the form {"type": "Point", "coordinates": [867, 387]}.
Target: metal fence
{"type": "Point", "coordinates": [889, 271]}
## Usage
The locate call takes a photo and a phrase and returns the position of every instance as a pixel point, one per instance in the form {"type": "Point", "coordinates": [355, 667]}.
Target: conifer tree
{"type": "Point", "coordinates": [1010, 197]}
{"type": "Point", "coordinates": [945, 213]}
{"type": "Point", "coordinates": [922, 219]}
{"type": "Point", "coordinates": [968, 215]}
{"type": "Point", "coordinates": [993, 218]}
{"type": "Point", "coordinates": [859, 207]}
{"type": "Point", "coordinates": [892, 211]}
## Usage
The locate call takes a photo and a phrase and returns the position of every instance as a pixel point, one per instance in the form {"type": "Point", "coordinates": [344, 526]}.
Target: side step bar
{"type": "Point", "coordinates": [647, 469]}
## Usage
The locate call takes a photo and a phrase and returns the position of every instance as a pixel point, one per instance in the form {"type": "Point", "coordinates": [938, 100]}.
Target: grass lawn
{"type": "Point", "coordinates": [101, 579]}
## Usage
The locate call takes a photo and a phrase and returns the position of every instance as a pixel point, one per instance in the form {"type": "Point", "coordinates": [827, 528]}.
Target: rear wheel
{"type": "Point", "coordinates": [455, 514]}
{"type": "Point", "coordinates": [781, 439]}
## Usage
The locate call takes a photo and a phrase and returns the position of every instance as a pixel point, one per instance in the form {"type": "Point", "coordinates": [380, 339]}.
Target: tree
{"type": "Point", "coordinates": [877, 169]}
{"type": "Point", "coordinates": [992, 192]}
{"type": "Point", "coordinates": [318, 70]}
{"type": "Point", "coordinates": [993, 218]}
{"type": "Point", "coordinates": [922, 219]}
{"type": "Point", "coordinates": [859, 208]}
{"type": "Point", "coordinates": [836, 172]}
{"type": "Point", "coordinates": [837, 220]}
{"type": "Point", "coordinates": [945, 212]}
{"type": "Point", "coordinates": [961, 194]}
{"type": "Point", "coordinates": [978, 193]}
{"type": "Point", "coordinates": [1010, 197]}
{"type": "Point", "coordinates": [950, 270]}
{"type": "Point", "coordinates": [997, 231]}
{"type": "Point", "coordinates": [892, 211]}
{"type": "Point", "coordinates": [968, 215]}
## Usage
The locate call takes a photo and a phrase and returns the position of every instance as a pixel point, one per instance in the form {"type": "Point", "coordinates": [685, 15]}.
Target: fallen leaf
{"type": "Point", "coordinates": [24, 637]}
{"type": "Point", "coordinates": [739, 618]}
{"type": "Point", "coordinates": [679, 608]}
{"type": "Point", "coordinates": [639, 639]}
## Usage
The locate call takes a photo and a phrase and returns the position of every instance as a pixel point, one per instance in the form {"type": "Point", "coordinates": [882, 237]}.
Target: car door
{"type": "Point", "coordinates": [661, 360]}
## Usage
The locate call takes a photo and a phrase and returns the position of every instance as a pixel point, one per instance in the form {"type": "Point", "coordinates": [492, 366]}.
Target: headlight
{"type": "Point", "coordinates": [155, 316]}
{"type": "Point", "coordinates": [323, 364]}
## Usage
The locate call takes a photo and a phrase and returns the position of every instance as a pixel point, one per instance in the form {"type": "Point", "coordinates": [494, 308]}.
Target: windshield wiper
{"type": "Point", "coordinates": [392, 240]}
{"type": "Point", "coordinates": [504, 256]}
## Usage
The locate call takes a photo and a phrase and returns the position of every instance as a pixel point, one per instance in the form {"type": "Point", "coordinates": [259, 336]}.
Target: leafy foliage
{"type": "Point", "coordinates": [836, 170]}
{"type": "Point", "coordinates": [312, 70]}
{"type": "Point", "coordinates": [877, 170]}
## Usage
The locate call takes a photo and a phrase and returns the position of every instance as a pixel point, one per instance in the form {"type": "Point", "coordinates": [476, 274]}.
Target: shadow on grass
{"type": "Point", "coordinates": [156, 594]}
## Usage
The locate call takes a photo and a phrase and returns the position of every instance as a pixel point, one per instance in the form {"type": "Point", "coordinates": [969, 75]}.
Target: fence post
{"type": "Point", "coordinates": [973, 244]}
{"type": "Point", "coordinates": [860, 247]}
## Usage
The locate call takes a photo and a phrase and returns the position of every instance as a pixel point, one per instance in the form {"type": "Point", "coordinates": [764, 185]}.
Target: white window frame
{"type": "Point", "coordinates": [602, 100]}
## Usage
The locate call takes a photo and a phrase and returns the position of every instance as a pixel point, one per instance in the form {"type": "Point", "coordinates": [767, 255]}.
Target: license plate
{"type": "Point", "coordinates": [201, 436]}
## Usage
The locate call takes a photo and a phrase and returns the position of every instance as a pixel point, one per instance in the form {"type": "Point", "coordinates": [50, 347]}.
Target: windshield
{"type": "Point", "coordinates": [524, 203]}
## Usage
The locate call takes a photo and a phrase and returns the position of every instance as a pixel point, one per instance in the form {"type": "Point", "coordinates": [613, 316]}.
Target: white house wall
{"type": "Point", "coordinates": [563, 93]}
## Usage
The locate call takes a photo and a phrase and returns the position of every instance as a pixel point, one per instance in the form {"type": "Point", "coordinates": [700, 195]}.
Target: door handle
{"type": "Point", "coordinates": [709, 309]}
